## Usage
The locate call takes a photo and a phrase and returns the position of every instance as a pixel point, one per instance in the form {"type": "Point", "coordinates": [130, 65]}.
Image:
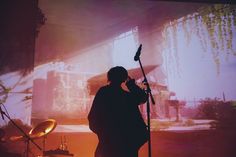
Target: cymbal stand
{"type": "Point", "coordinates": [150, 96]}
{"type": "Point", "coordinates": [44, 142]}
{"type": "Point", "coordinates": [27, 149]}
{"type": "Point", "coordinates": [22, 131]}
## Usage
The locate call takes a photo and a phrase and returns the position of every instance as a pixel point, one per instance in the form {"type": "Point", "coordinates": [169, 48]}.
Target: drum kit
{"type": "Point", "coordinates": [40, 131]}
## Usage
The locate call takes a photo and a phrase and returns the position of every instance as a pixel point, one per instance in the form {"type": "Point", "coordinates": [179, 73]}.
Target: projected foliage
{"type": "Point", "coordinates": [213, 26]}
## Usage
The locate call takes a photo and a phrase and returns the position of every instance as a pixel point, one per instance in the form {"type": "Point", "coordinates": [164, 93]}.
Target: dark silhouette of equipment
{"type": "Point", "coordinates": [39, 131]}
{"type": "Point", "coordinates": [150, 95]}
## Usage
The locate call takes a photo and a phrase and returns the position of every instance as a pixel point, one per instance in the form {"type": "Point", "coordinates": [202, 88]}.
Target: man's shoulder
{"type": "Point", "coordinates": [103, 89]}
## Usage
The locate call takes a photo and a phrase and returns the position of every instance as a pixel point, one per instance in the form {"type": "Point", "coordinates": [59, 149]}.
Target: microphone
{"type": "Point", "coordinates": [136, 57]}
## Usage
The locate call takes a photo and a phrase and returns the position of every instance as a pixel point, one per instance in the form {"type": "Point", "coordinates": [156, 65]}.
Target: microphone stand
{"type": "Point", "coordinates": [21, 130]}
{"type": "Point", "coordinates": [150, 96]}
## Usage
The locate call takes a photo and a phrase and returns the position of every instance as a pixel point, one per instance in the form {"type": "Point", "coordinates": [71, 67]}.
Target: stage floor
{"type": "Point", "coordinates": [170, 143]}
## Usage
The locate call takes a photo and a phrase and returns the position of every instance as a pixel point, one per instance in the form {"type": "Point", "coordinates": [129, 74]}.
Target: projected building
{"type": "Point", "coordinates": [62, 95]}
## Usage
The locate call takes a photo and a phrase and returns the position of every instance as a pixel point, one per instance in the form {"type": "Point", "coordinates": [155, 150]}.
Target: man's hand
{"type": "Point", "coordinates": [130, 82]}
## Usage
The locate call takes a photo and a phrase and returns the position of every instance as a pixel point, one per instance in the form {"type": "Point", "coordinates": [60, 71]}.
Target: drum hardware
{"type": "Point", "coordinates": [24, 135]}
{"type": "Point", "coordinates": [39, 131]}
{"type": "Point", "coordinates": [62, 150]}
{"type": "Point", "coordinates": [57, 152]}
{"type": "Point", "coordinates": [42, 130]}
{"type": "Point", "coordinates": [63, 145]}
{"type": "Point", "coordinates": [26, 140]}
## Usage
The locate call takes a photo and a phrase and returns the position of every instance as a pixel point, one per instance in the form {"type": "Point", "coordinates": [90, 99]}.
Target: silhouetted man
{"type": "Point", "coordinates": [115, 116]}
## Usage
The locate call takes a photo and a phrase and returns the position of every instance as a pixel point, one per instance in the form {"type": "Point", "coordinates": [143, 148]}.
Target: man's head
{"type": "Point", "coordinates": [117, 75]}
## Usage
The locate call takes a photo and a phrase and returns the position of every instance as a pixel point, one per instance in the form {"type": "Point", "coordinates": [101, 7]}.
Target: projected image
{"type": "Point", "coordinates": [70, 94]}
{"type": "Point", "coordinates": [55, 57]}
{"type": "Point", "coordinates": [193, 56]}
{"type": "Point", "coordinates": [62, 90]}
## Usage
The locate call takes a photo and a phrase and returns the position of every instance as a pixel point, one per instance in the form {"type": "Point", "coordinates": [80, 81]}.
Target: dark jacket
{"type": "Point", "coordinates": [116, 119]}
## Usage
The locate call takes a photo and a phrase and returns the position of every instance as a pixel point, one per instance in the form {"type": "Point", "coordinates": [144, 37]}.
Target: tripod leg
{"type": "Point", "coordinates": [26, 152]}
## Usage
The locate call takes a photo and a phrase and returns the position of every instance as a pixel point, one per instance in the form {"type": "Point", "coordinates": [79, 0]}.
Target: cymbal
{"type": "Point", "coordinates": [40, 130]}
{"type": "Point", "coordinates": [43, 128]}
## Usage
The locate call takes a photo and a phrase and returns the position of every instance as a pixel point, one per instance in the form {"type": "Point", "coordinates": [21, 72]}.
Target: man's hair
{"type": "Point", "coordinates": [117, 74]}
